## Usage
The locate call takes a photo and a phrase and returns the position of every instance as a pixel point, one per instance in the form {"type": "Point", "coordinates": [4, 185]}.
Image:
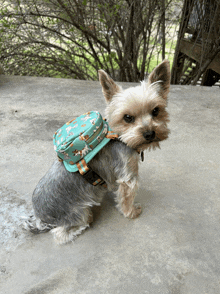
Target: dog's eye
{"type": "Point", "coordinates": [129, 118]}
{"type": "Point", "coordinates": [156, 111]}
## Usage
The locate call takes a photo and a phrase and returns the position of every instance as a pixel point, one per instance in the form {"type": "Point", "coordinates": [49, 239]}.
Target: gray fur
{"type": "Point", "coordinates": [64, 199]}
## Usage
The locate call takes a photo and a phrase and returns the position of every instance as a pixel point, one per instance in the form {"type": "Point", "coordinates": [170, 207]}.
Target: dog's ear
{"type": "Point", "coordinates": [109, 87]}
{"type": "Point", "coordinates": [161, 75]}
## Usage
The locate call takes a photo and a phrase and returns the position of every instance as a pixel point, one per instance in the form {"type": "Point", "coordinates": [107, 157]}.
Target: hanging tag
{"type": "Point", "coordinates": [142, 155]}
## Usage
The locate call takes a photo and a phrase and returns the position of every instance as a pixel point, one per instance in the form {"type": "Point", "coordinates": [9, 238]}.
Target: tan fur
{"type": "Point", "coordinates": [126, 195]}
{"type": "Point", "coordinates": [161, 73]}
{"type": "Point", "coordinates": [109, 87]}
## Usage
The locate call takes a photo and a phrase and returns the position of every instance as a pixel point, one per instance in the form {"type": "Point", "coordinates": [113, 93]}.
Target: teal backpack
{"type": "Point", "coordinates": [79, 140]}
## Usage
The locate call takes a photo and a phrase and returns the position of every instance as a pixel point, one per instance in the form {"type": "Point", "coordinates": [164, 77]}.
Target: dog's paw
{"type": "Point", "coordinates": [136, 211]}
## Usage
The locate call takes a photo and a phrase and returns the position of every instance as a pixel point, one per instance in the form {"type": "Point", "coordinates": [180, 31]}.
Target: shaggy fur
{"type": "Point", "coordinates": [62, 200]}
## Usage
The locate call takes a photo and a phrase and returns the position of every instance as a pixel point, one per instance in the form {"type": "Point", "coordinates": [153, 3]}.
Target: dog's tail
{"type": "Point", "coordinates": [35, 225]}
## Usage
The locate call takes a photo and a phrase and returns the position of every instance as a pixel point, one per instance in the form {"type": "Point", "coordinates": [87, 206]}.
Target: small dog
{"type": "Point", "coordinates": [62, 200]}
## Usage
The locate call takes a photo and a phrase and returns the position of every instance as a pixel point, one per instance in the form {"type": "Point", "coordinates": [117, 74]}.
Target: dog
{"type": "Point", "coordinates": [62, 200]}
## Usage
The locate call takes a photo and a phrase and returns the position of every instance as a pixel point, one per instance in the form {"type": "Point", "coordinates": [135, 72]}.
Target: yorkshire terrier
{"type": "Point", "coordinates": [62, 200]}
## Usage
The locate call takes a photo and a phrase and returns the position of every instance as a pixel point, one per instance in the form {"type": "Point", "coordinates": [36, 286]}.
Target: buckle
{"type": "Point", "coordinates": [93, 178]}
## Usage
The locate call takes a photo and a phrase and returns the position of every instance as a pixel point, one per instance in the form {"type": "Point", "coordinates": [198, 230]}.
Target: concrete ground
{"type": "Point", "coordinates": [173, 247]}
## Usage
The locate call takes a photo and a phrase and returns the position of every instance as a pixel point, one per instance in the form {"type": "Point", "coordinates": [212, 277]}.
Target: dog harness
{"type": "Point", "coordinates": [79, 140]}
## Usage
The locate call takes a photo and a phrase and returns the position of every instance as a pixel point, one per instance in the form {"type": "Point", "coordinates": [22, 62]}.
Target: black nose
{"type": "Point", "coordinates": [149, 136]}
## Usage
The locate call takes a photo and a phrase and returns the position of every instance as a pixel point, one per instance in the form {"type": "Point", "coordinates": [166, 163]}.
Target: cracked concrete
{"type": "Point", "coordinates": [172, 248]}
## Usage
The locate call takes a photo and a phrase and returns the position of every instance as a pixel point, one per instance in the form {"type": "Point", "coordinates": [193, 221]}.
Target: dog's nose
{"type": "Point", "coordinates": [149, 135]}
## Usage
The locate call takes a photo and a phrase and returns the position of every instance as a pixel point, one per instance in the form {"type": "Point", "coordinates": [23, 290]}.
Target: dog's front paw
{"type": "Point", "coordinates": [136, 211]}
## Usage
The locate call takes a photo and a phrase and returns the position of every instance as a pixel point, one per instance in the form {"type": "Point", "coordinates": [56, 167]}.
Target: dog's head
{"type": "Point", "coordinates": [138, 114]}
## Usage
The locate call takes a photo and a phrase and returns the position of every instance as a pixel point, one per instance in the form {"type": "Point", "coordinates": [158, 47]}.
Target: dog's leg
{"type": "Point", "coordinates": [125, 198]}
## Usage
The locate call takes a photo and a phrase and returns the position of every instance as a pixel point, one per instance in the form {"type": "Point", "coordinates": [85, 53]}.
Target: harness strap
{"type": "Point", "coordinates": [111, 135]}
{"type": "Point", "coordinates": [89, 175]}
{"type": "Point", "coordinates": [82, 167]}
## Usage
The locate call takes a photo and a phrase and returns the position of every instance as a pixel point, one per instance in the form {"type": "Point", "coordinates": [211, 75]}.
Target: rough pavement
{"type": "Point", "coordinates": [173, 247]}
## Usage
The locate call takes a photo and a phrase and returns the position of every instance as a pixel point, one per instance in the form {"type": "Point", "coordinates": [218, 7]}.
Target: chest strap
{"type": "Point", "coordinates": [89, 175]}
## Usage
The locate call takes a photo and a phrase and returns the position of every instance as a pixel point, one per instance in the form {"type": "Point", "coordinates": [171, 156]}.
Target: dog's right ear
{"type": "Point", "coordinates": [109, 87]}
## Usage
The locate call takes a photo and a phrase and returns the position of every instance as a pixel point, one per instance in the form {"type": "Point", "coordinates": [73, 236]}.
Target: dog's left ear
{"type": "Point", "coordinates": [109, 87]}
{"type": "Point", "coordinates": [161, 74]}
